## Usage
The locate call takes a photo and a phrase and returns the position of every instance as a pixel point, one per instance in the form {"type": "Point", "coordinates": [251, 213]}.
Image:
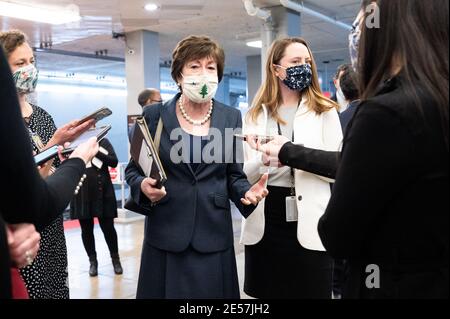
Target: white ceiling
{"type": "Point", "coordinates": [224, 20]}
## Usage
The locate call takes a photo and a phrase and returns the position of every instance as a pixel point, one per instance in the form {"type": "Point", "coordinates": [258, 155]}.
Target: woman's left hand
{"type": "Point", "coordinates": [23, 244]}
{"type": "Point", "coordinates": [257, 192]}
{"type": "Point", "coordinates": [69, 132]}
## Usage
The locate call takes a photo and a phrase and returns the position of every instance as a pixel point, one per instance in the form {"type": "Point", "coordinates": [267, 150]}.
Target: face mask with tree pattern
{"type": "Point", "coordinates": [200, 88]}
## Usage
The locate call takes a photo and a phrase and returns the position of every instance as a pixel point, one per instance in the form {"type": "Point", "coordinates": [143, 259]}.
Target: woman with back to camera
{"type": "Point", "coordinates": [284, 256]}
{"type": "Point", "coordinates": [188, 249]}
{"type": "Point", "coordinates": [388, 215]}
{"type": "Point", "coordinates": [47, 277]}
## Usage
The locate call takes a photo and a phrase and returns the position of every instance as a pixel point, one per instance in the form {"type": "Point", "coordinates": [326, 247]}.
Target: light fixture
{"type": "Point", "coordinates": [151, 7]}
{"type": "Point", "coordinates": [255, 44]}
{"type": "Point", "coordinates": [41, 14]}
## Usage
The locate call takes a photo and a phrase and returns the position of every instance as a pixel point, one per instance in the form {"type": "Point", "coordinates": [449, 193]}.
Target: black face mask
{"type": "Point", "coordinates": [298, 77]}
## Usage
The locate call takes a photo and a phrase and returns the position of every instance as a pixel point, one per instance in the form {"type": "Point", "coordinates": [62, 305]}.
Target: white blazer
{"type": "Point", "coordinates": [314, 131]}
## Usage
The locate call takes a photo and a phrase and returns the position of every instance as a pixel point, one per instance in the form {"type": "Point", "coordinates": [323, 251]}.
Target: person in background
{"type": "Point", "coordinates": [47, 277]}
{"type": "Point", "coordinates": [284, 257]}
{"type": "Point", "coordinates": [347, 83]}
{"type": "Point", "coordinates": [97, 199]}
{"type": "Point", "coordinates": [148, 97]}
{"type": "Point", "coordinates": [339, 97]}
{"type": "Point", "coordinates": [350, 89]}
{"type": "Point", "coordinates": [28, 198]}
{"type": "Point", "coordinates": [388, 215]}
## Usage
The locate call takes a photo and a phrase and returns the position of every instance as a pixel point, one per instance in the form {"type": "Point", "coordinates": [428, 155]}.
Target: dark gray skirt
{"type": "Point", "coordinates": [187, 275]}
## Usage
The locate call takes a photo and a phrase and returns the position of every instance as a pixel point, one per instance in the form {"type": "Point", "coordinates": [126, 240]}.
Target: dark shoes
{"type": "Point", "coordinates": [93, 268]}
{"type": "Point", "coordinates": [118, 270]}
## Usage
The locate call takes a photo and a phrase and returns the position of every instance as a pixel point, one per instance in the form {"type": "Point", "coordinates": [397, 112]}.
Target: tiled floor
{"type": "Point", "coordinates": [108, 285]}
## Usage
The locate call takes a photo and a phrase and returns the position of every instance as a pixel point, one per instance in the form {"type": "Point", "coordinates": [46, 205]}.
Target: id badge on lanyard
{"type": "Point", "coordinates": [291, 201]}
{"type": "Point", "coordinates": [36, 140]}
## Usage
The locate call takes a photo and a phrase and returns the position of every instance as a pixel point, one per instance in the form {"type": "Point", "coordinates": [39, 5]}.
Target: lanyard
{"type": "Point", "coordinates": [292, 170]}
{"type": "Point", "coordinates": [36, 140]}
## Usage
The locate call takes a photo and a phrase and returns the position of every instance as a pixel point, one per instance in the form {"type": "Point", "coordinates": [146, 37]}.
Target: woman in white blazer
{"type": "Point", "coordinates": [284, 256]}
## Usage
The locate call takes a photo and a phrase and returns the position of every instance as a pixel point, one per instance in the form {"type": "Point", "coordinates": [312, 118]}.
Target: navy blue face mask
{"type": "Point", "coordinates": [298, 77]}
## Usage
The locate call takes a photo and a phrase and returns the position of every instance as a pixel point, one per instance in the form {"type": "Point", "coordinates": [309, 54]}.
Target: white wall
{"type": "Point", "coordinates": [66, 103]}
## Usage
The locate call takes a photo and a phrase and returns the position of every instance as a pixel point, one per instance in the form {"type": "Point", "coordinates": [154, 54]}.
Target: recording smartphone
{"type": "Point", "coordinates": [262, 138]}
{"type": "Point", "coordinates": [46, 155]}
{"type": "Point", "coordinates": [52, 152]}
{"type": "Point", "coordinates": [98, 115]}
{"type": "Point", "coordinates": [98, 132]}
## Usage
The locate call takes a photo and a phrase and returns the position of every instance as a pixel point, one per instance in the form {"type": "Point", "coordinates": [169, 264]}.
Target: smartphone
{"type": "Point", "coordinates": [99, 133]}
{"type": "Point", "coordinates": [46, 155]}
{"type": "Point", "coordinates": [262, 138]}
{"type": "Point", "coordinates": [98, 115]}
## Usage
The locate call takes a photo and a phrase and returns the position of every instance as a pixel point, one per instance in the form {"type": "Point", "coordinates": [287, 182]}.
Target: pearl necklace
{"type": "Point", "coordinates": [191, 120]}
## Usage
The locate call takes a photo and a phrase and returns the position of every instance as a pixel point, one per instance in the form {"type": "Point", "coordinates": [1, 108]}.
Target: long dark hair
{"type": "Point", "coordinates": [415, 33]}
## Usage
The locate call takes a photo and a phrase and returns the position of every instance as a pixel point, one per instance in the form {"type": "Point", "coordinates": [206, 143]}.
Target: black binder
{"type": "Point", "coordinates": [145, 155]}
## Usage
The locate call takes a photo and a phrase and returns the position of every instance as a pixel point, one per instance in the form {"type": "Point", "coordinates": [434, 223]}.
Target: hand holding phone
{"type": "Point", "coordinates": [69, 132]}
{"type": "Point", "coordinates": [46, 155]}
{"type": "Point", "coordinates": [98, 115]}
{"type": "Point", "coordinates": [263, 139]}
{"type": "Point", "coordinates": [86, 150]}
{"type": "Point", "coordinates": [52, 152]}
{"type": "Point", "coordinates": [99, 133]}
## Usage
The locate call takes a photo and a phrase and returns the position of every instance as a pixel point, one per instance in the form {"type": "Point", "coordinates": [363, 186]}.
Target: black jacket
{"type": "Point", "coordinates": [317, 161]}
{"type": "Point", "coordinates": [196, 210]}
{"type": "Point", "coordinates": [310, 160]}
{"type": "Point", "coordinates": [389, 205]}
{"type": "Point", "coordinates": [346, 116]}
{"type": "Point", "coordinates": [26, 197]}
{"type": "Point", "coordinates": [96, 197]}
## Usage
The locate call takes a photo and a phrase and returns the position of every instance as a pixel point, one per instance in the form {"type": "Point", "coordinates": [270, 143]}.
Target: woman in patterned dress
{"type": "Point", "coordinates": [47, 276]}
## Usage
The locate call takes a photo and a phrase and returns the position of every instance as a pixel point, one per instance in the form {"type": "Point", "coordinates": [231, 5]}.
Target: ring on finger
{"type": "Point", "coordinates": [28, 257]}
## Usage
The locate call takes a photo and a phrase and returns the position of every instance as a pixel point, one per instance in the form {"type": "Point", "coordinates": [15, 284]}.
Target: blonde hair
{"type": "Point", "coordinates": [269, 94]}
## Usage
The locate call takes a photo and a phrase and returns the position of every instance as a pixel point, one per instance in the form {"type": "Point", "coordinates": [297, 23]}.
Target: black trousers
{"type": "Point", "coordinates": [87, 234]}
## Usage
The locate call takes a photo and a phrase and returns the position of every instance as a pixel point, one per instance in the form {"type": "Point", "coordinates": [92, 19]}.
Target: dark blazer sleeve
{"type": "Point", "coordinates": [111, 159]}
{"type": "Point", "coordinates": [373, 168]}
{"type": "Point", "coordinates": [310, 160]}
{"type": "Point", "coordinates": [237, 181]}
{"type": "Point", "coordinates": [134, 180]}
{"type": "Point", "coordinates": [27, 197]}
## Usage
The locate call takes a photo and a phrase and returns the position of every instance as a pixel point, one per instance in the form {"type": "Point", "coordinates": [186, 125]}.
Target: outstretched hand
{"type": "Point", "coordinates": [257, 192]}
{"type": "Point", "coordinates": [271, 149]}
{"type": "Point", "coordinates": [69, 132]}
